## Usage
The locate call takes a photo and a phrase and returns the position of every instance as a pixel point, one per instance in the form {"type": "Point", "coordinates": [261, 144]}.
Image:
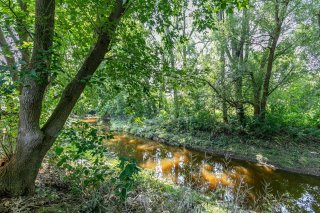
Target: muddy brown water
{"type": "Point", "coordinates": [210, 173]}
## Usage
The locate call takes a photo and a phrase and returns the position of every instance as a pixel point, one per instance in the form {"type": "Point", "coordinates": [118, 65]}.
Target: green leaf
{"type": "Point", "coordinates": [58, 150]}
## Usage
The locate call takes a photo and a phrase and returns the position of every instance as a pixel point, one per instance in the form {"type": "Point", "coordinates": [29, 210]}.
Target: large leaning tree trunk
{"type": "Point", "coordinates": [17, 177]}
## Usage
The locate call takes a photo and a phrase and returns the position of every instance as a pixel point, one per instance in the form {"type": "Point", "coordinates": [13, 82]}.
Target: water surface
{"type": "Point", "coordinates": [241, 180]}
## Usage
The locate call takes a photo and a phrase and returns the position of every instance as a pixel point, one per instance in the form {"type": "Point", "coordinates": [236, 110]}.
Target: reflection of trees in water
{"type": "Point", "coordinates": [106, 120]}
{"type": "Point", "coordinates": [232, 180]}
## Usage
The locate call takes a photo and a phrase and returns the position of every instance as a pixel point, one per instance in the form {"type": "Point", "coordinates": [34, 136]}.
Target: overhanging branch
{"type": "Point", "coordinates": [74, 89]}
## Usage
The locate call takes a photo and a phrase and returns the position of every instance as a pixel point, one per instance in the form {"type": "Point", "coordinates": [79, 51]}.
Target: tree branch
{"type": "Point", "coordinates": [34, 87]}
{"type": "Point", "coordinates": [19, 19]}
{"type": "Point", "coordinates": [74, 89]}
{"type": "Point", "coordinates": [283, 80]}
{"type": "Point", "coordinates": [23, 32]}
{"type": "Point", "coordinates": [230, 102]}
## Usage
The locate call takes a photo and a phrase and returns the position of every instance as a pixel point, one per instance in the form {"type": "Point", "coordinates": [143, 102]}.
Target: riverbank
{"type": "Point", "coordinates": [279, 152]}
{"type": "Point", "coordinates": [80, 175]}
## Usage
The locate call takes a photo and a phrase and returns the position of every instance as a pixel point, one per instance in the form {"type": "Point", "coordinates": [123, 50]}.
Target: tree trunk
{"type": "Point", "coordinates": [239, 104]}
{"type": "Point", "coordinates": [223, 73]}
{"type": "Point", "coordinates": [176, 107]}
{"type": "Point", "coordinates": [225, 111]}
{"type": "Point", "coordinates": [176, 103]}
{"type": "Point", "coordinates": [238, 56]}
{"type": "Point", "coordinates": [257, 82]}
{"type": "Point", "coordinates": [267, 77]}
{"type": "Point", "coordinates": [256, 86]}
{"type": "Point", "coordinates": [162, 84]}
{"type": "Point", "coordinates": [279, 18]}
{"type": "Point", "coordinates": [256, 108]}
{"type": "Point", "coordinates": [223, 80]}
{"type": "Point", "coordinates": [17, 177]}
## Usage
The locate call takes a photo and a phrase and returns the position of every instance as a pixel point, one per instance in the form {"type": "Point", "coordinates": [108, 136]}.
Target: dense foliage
{"type": "Point", "coordinates": [255, 68]}
{"type": "Point", "coordinates": [229, 73]}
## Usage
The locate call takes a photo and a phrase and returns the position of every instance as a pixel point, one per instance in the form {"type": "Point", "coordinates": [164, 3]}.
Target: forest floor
{"type": "Point", "coordinates": [281, 151]}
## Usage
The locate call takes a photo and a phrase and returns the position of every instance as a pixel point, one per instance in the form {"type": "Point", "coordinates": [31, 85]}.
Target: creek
{"type": "Point", "coordinates": [241, 180]}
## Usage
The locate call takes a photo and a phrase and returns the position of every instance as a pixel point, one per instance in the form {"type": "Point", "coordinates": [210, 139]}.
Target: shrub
{"type": "Point", "coordinates": [80, 151]}
{"type": "Point", "coordinates": [125, 181]}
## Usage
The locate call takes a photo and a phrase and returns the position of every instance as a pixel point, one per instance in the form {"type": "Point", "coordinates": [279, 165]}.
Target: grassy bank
{"type": "Point", "coordinates": [283, 151]}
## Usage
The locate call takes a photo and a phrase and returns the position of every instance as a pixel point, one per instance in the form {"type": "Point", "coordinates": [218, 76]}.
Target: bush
{"type": "Point", "coordinates": [80, 151]}
{"type": "Point", "coordinates": [125, 181]}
